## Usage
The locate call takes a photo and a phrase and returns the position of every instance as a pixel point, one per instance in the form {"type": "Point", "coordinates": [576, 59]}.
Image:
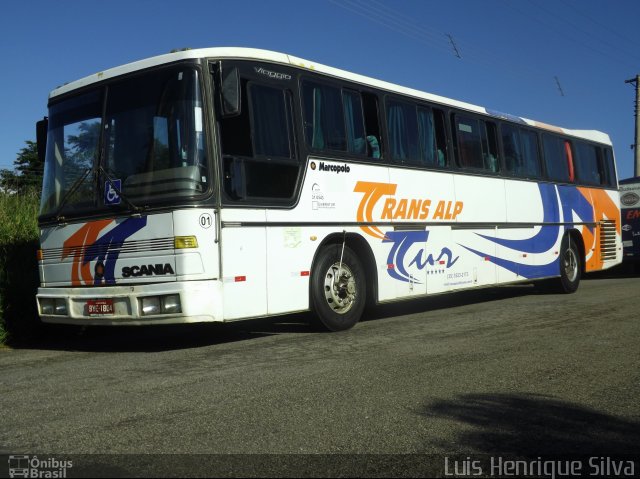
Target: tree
{"type": "Point", "coordinates": [27, 171]}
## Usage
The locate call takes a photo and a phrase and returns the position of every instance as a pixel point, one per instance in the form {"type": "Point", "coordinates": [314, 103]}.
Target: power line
{"type": "Point", "coordinates": [602, 25]}
{"type": "Point", "coordinates": [562, 31]}
{"type": "Point", "coordinates": [390, 18]}
{"type": "Point", "coordinates": [390, 22]}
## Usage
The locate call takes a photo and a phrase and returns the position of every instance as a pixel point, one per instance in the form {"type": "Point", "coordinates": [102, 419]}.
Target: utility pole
{"type": "Point", "coordinates": [636, 142]}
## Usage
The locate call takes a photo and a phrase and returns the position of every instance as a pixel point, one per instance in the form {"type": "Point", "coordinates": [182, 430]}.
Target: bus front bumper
{"type": "Point", "coordinates": [161, 303]}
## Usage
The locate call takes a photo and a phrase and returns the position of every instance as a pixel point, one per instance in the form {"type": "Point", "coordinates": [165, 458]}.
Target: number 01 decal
{"type": "Point", "coordinates": [205, 220]}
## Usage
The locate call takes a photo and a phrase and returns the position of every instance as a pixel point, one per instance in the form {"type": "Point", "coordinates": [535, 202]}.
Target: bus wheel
{"type": "Point", "coordinates": [338, 289]}
{"type": "Point", "coordinates": [570, 270]}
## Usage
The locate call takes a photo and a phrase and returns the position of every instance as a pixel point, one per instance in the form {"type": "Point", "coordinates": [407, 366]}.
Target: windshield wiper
{"type": "Point", "coordinates": [131, 204]}
{"type": "Point", "coordinates": [76, 184]}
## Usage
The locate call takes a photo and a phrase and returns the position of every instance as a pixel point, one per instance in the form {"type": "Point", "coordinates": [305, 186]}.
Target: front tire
{"type": "Point", "coordinates": [338, 289]}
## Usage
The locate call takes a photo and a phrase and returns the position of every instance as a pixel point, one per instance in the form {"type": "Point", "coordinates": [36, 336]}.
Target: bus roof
{"type": "Point", "coordinates": [283, 58]}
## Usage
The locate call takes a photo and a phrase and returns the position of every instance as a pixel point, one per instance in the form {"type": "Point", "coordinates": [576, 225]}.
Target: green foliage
{"type": "Point", "coordinates": [19, 204]}
{"type": "Point", "coordinates": [18, 264]}
{"type": "Point", "coordinates": [27, 173]}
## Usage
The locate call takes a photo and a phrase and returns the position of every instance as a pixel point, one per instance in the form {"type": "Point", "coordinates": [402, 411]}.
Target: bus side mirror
{"type": "Point", "coordinates": [230, 92]}
{"type": "Point", "coordinates": [41, 138]}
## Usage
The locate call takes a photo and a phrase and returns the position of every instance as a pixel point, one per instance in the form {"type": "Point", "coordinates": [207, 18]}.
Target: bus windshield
{"type": "Point", "coordinates": [142, 139]}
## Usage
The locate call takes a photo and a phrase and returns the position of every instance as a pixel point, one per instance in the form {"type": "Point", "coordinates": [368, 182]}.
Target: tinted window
{"type": "Point", "coordinates": [337, 120]}
{"type": "Point", "coordinates": [402, 125]}
{"type": "Point", "coordinates": [324, 126]}
{"type": "Point", "coordinates": [476, 143]}
{"type": "Point", "coordinates": [416, 134]}
{"type": "Point", "coordinates": [270, 120]}
{"type": "Point", "coordinates": [354, 122]}
{"type": "Point", "coordinates": [587, 165]}
{"type": "Point", "coordinates": [609, 167]}
{"type": "Point", "coordinates": [520, 151]}
{"type": "Point", "coordinates": [431, 136]}
{"type": "Point", "coordinates": [530, 154]}
{"type": "Point", "coordinates": [557, 159]}
{"type": "Point", "coordinates": [259, 159]}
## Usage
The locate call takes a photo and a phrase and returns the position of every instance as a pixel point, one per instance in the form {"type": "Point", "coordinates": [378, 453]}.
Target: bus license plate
{"type": "Point", "coordinates": [99, 306]}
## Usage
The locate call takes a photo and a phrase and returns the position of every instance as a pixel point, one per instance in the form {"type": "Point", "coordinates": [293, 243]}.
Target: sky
{"type": "Point", "coordinates": [562, 62]}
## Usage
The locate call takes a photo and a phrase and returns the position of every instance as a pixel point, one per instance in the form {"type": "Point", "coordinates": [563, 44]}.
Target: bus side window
{"type": "Point", "coordinates": [324, 127]}
{"type": "Point", "coordinates": [427, 136]}
{"type": "Point", "coordinates": [490, 148]}
{"type": "Point", "coordinates": [441, 138]}
{"type": "Point", "coordinates": [354, 123]}
{"type": "Point", "coordinates": [531, 167]}
{"type": "Point", "coordinates": [477, 144]}
{"type": "Point", "coordinates": [258, 147]}
{"type": "Point", "coordinates": [372, 125]}
{"type": "Point", "coordinates": [588, 164]}
{"type": "Point", "coordinates": [556, 159]}
{"type": "Point", "coordinates": [512, 148]}
{"type": "Point", "coordinates": [402, 127]}
{"type": "Point", "coordinates": [609, 168]}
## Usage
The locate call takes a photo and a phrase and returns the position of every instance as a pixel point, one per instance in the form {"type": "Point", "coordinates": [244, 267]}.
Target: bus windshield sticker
{"type": "Point", "coordinates": [111, 188]}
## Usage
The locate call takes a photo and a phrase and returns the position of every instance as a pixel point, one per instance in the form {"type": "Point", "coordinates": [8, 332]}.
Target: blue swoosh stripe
{"type": "Point", "coordinates": [526, 270]}
{"type": "Point", "coordinates": [547, 236]}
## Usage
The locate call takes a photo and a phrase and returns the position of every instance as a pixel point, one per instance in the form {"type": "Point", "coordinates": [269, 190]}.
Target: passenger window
{"type": "Point", "coordinates": [370, 107]}
{"type": "Point", "coordinates": [587, 166]}
{"type": "Point", "coordinates": [324, 125]}
{"type": "Point", "coordinates": [431, 145]}
{"type": "Point", "coordinates": [609, 168]}
{"type": "Point", "coordinates": [259, 158]}
{"type": "Point", "coordinates": [402, 126]}
{"type": "Point", "coordinates": [557, 158]}
{"type": "Point", "coordinates": [520, 148]}
{"type": "Point", "coordinates": [416, 134]}
{"type": "Point", "coordinates": [490, 148]}
{"type": "Point", "coordinates": [513, 158]}
{"type": "Point", "coordinates": [441, 138]}
{"type": "Point", "coordinates": [354, 121]}
{"type": "Point", "coordinates": [338, 120]}
{"type": "Point", "coordinates": [530, 154]}
{"type": "Point", "coordinates": [476, 144]}
{"type": "Point", "coordinates": [270, 118]}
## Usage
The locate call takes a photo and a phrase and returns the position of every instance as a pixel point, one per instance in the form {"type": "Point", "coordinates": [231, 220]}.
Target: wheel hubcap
{"type": "Point", "coordinates": [570, 265]}
{"type": "Point", "coordinates": [340, 288]}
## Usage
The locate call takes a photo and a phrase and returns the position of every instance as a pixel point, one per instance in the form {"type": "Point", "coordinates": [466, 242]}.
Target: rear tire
{"type": "Point", "coordinates": [570, 266]}
{"type": "Point", "coordinates": [338, 290]}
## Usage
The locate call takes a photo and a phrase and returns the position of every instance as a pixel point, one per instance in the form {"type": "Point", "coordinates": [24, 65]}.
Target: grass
{"type": "Point", "coordinates": [18, 264]}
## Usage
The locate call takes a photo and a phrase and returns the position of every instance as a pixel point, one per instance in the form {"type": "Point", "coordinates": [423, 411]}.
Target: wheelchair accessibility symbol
{"type": "Point", "coordinates": [111, 188]}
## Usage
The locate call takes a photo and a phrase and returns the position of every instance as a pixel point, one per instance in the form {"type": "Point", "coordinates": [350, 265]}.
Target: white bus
{"type": "Point", "coordinates": [228, 183]}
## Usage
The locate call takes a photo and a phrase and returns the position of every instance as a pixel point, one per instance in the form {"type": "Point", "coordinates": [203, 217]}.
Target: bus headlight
{"type": "Point", "coordinates": [166, 304]}
{"type": "Point", "coordinates": [171, 304]}
{"type": "Point", "coordinates": [51, 306]}
{"type": "Point", "coordinates": [150, 305]}
{"type": "Point", "coordinates": [60, 307]}
{"type": "Point", "coordinates": [46, 306]}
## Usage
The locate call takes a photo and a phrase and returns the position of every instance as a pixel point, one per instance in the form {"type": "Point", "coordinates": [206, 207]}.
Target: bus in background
{"type": "Point", "coordinates": [630, 212]}
{"type": "Point", "coordinates": [228, 183]}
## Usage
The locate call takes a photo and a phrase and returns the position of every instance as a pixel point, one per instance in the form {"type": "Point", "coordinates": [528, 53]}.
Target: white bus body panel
{"type": "Point", "coordinates": [125, 259]}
